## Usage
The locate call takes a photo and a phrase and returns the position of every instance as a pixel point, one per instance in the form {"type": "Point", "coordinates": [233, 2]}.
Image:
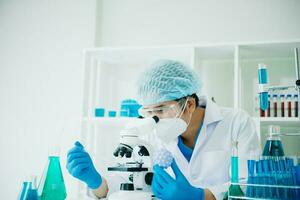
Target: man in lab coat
{"type": "Point", "coordinates": [200, 136]}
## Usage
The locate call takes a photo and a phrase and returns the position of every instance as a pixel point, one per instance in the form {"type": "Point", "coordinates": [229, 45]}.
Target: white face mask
{"type": "Point", "coordinates": [170, 128]}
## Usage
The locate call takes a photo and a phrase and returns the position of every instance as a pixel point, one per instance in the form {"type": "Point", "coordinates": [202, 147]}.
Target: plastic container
{"type": "Point", "coordinates": [112, 113]}
{"type": "Point", "coordinates": [99, 112]}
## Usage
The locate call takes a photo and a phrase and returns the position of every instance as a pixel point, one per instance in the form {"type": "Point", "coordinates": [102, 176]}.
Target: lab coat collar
{"type": "Point", "coordinates": [212, 110]}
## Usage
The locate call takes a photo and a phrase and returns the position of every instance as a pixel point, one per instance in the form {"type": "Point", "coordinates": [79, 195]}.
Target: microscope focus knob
{"type": "Point", "coordinates": [298, 82]}
{"type": "Point", "coordinates": [148, 178]}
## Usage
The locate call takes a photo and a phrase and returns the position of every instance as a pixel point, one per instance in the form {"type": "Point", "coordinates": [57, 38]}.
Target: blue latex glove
{"type": "Point", "coordinates": [80, 166]}
{"type": "Point", "coordinates": [167, 188]}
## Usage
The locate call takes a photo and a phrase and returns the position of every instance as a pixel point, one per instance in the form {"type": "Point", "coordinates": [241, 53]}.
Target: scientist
{"type": "Point", "coordinates": [201, 150]}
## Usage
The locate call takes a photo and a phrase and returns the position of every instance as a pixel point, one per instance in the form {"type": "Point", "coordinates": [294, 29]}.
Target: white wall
{"type": "Point", "coordinates": [157, 22]}
{"type": "Point", "coordinates": [41, 45]}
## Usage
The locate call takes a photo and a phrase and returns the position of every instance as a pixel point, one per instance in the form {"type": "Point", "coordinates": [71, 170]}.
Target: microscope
{"type": "Point", "coordinates": [134, 157]}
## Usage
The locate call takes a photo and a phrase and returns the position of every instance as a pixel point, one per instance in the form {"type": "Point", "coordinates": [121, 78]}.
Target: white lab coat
{"type": "Point", "coordinates": [209, 166]}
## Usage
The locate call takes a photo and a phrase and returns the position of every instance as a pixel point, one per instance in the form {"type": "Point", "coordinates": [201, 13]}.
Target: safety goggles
{"type": "Point", "coordinates": [164, 111]}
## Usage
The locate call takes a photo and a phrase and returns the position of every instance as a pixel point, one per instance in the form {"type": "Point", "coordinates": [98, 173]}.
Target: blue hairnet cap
{"type": "Point", "coordinates": [167, 80]}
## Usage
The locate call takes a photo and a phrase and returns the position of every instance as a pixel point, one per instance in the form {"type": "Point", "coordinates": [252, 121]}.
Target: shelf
{"type": "Point", "coordinates": [282, 121]}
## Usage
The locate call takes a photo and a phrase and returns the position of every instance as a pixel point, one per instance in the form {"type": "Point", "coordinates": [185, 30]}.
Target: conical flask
{"type": "Point", "coordinates": [52, 185]}
{"type": "Point", "coordinates": [273, 146]}
{"type": "Point", "coordinates": [24, 190]}
{"type": "Point", "coordinates": [29, 190]}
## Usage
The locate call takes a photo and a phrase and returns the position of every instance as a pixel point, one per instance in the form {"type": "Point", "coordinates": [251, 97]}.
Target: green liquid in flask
{"type": "Point", "coordinates": [52, 184]}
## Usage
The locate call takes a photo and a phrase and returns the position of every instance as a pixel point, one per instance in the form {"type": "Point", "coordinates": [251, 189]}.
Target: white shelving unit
{"type": "Point", "coordinates": [280, 61]}
{"type": "Point", "coordinates": [228, 71]}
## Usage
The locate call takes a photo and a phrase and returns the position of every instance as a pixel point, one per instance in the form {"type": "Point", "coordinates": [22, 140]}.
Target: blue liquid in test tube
{"type": "Point", "coordinates": [263, 80]}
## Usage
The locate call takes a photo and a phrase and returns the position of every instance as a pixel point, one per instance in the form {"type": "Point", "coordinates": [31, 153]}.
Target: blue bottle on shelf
{"type": "Point", "coordinates": [99, 112]}
{"type": "Point", "coordinates": [112, 113]}
{"type": "Point", "coordinates": [129, 108]}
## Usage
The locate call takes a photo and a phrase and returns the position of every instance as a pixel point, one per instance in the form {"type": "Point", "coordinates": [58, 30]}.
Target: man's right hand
{"type": "Point", "coordinates": [80, 166]}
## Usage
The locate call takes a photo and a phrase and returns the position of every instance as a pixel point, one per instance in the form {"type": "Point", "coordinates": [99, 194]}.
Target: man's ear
{"type": "Point", "coordinates": [191, 105]}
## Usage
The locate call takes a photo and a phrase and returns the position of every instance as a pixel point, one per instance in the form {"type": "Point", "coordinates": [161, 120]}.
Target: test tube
{"type": "Point", "coordinates": [269, 106]}
{"type": "Point", "coordinates": [263, 81]}
{"type": "Point", "coordinates": [251, 178]}
{"type": "Point", "coordinates": [297, 168]}
{"type": "Point", "coordinates": [262, 113]}
{"type": "Point", "coordinates": [259, 193]}
{"type": "Point", "coordinates": [267, 178]}
{"type": "Point", "coordinates": [274, 105]}
{"type": "Point", "coordinates": [289, 105]}
{"type": "Point", "coordinates": [282, 96]}
{"type": "Point", "coordinates": [296, 104]}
